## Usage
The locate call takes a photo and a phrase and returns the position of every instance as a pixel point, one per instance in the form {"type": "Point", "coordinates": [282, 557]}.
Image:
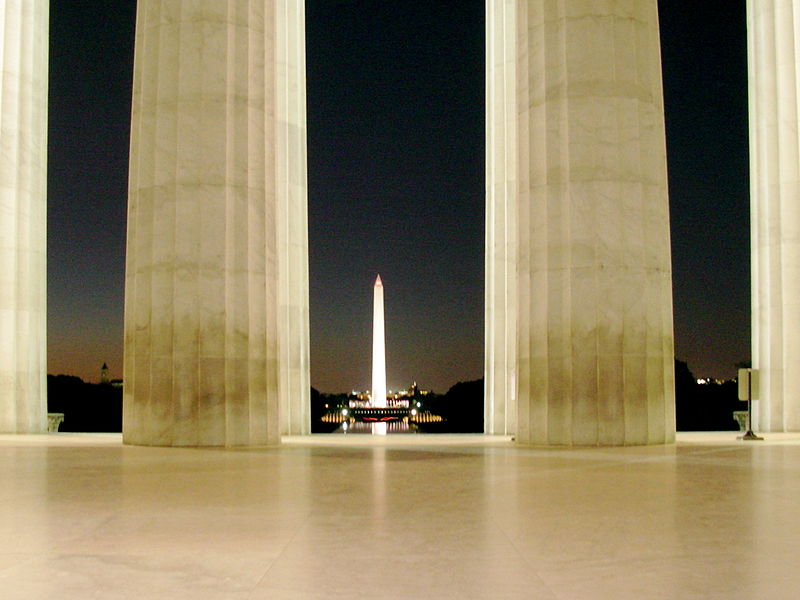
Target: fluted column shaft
{"type": "Point", "coordinates": [214, 178]}
{"type": "Point", "coordinates": [774, 65]}
{"type": "Point", "coordinates": [500, 407]}
{"type": "Point", "coordinates": [594, 321]}
{"type": "Point", "coordinates": [293, 323]}
{"type": "Point", "coordinates": [24, 27]}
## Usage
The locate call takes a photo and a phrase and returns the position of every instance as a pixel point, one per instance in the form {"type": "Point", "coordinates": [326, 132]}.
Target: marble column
{"type": "Point", "coordinates": [500, 407]}
{"type": "Point", "coordinates": [216, 225]}
{"type": "Point", "coordinates": [594, 318]}
{"type": "Point", "coordinates": [773, 34]}
{"type": "Point", "coordinates": [24, 26]}
{"type": "Point", "coordinates": [293, 322]}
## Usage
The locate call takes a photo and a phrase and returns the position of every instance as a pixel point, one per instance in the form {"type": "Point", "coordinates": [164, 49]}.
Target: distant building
{"type": "Point", "coordinates": [398, 399]}
{"type": "Point", "coordinates": [104, 373]}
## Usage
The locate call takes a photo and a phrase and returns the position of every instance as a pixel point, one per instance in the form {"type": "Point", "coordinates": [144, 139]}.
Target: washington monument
{"type": "Point", "coordinates": [378, 396]}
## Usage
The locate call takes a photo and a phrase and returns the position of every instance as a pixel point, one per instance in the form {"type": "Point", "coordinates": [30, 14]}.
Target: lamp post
{"type": "Point", "coordinates": [746, 393]}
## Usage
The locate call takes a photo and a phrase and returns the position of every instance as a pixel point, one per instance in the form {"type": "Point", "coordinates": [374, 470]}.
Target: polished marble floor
{"type": "Point", "coordinates": [416, 517]}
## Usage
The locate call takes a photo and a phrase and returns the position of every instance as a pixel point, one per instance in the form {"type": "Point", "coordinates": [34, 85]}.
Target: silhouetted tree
{"type": "Point", "coordinates": [707, 407]}
{"type": "Point", "coordinates": [461, 407]}
{"type": "Point", "coordinates": [321, 404]}
{"type": "Point", "coordinates": [87, 407]}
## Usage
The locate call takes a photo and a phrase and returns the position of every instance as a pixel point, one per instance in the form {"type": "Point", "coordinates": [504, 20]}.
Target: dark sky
{"type": "Point", "coordinates": [395, 157]}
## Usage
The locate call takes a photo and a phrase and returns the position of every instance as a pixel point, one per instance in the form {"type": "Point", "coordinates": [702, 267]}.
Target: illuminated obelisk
{"type": "Point", "coordinates": [378, 397]}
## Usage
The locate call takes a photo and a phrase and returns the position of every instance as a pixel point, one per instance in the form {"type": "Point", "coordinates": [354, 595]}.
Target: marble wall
{"type": "Point", "coordinates": [216, 301]}
{"type": "Point", "coordinates": [594, 298]}
{"type": "Point", "coordinates": [24, 27]}
{"type": "Point", "coordinates": [773, 35]}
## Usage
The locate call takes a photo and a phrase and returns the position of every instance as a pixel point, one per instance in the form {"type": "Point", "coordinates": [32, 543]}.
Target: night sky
{"type": "Point", "coordinates": [396, 185]}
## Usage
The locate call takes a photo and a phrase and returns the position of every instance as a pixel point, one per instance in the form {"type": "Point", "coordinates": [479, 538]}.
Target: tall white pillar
{"type": "Point", "coordinates": [378, 396]}
{"type": "Point", "coordinates": [293, 323]}
{"type": "Point", "coordinates": [595, 341]}
{"type": "Point", "coordinates": [774, 67]}
{"type": "Point", "coordinates": [216, 223]}
{"type": "Point", "coordinates": [500, 406]}
{"type": "Point", "coordinates": [24, 27]}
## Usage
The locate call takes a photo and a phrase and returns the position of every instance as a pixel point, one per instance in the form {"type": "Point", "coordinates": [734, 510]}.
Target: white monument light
{"type": "Point", "coordinates": [378, 397]}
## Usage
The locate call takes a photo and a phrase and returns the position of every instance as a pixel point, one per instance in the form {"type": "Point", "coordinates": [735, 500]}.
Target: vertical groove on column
{"type": "Point", "coordinates": [774, 383]}
{"type": "Point", "coordinates": [20, 287]}
{"type": "Point", "coordinates": [776, 280]}
{"type": "Point", "coordinates": [490, 283]}
{"type": "Point", "coordinates": [232, 229]}
{"type": "Point", "coordinates": [789, 201]}
{"type": "Point", "coordinates": [566, 356]}
{"type": "Point", "coordinates": [525, 370]}
{"type": "Point", "coordinates": [282, 190]}
{"type": "Point", "coordinates": [775, 217]}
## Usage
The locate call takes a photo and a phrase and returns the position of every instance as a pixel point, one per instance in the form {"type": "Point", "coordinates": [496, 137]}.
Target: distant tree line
{"type": "Point", "coordinates": [461, 409]}
{"type": "Point", "coordinates": [698, 407]}
{"type": "Point", "coordinates": [97, 407]}
{"type": "Point", "coordinates": [705, 407]}
{"type": "Point", "coordinates": [87, 407]}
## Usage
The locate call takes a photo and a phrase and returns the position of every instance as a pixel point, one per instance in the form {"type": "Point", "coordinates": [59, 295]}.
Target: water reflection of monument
{"type": "Point", "coordinates": [375, 428]}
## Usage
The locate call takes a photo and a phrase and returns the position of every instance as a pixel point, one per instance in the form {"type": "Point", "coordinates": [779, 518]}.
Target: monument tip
{"type": "Point", "coordinates": [378, 281]}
